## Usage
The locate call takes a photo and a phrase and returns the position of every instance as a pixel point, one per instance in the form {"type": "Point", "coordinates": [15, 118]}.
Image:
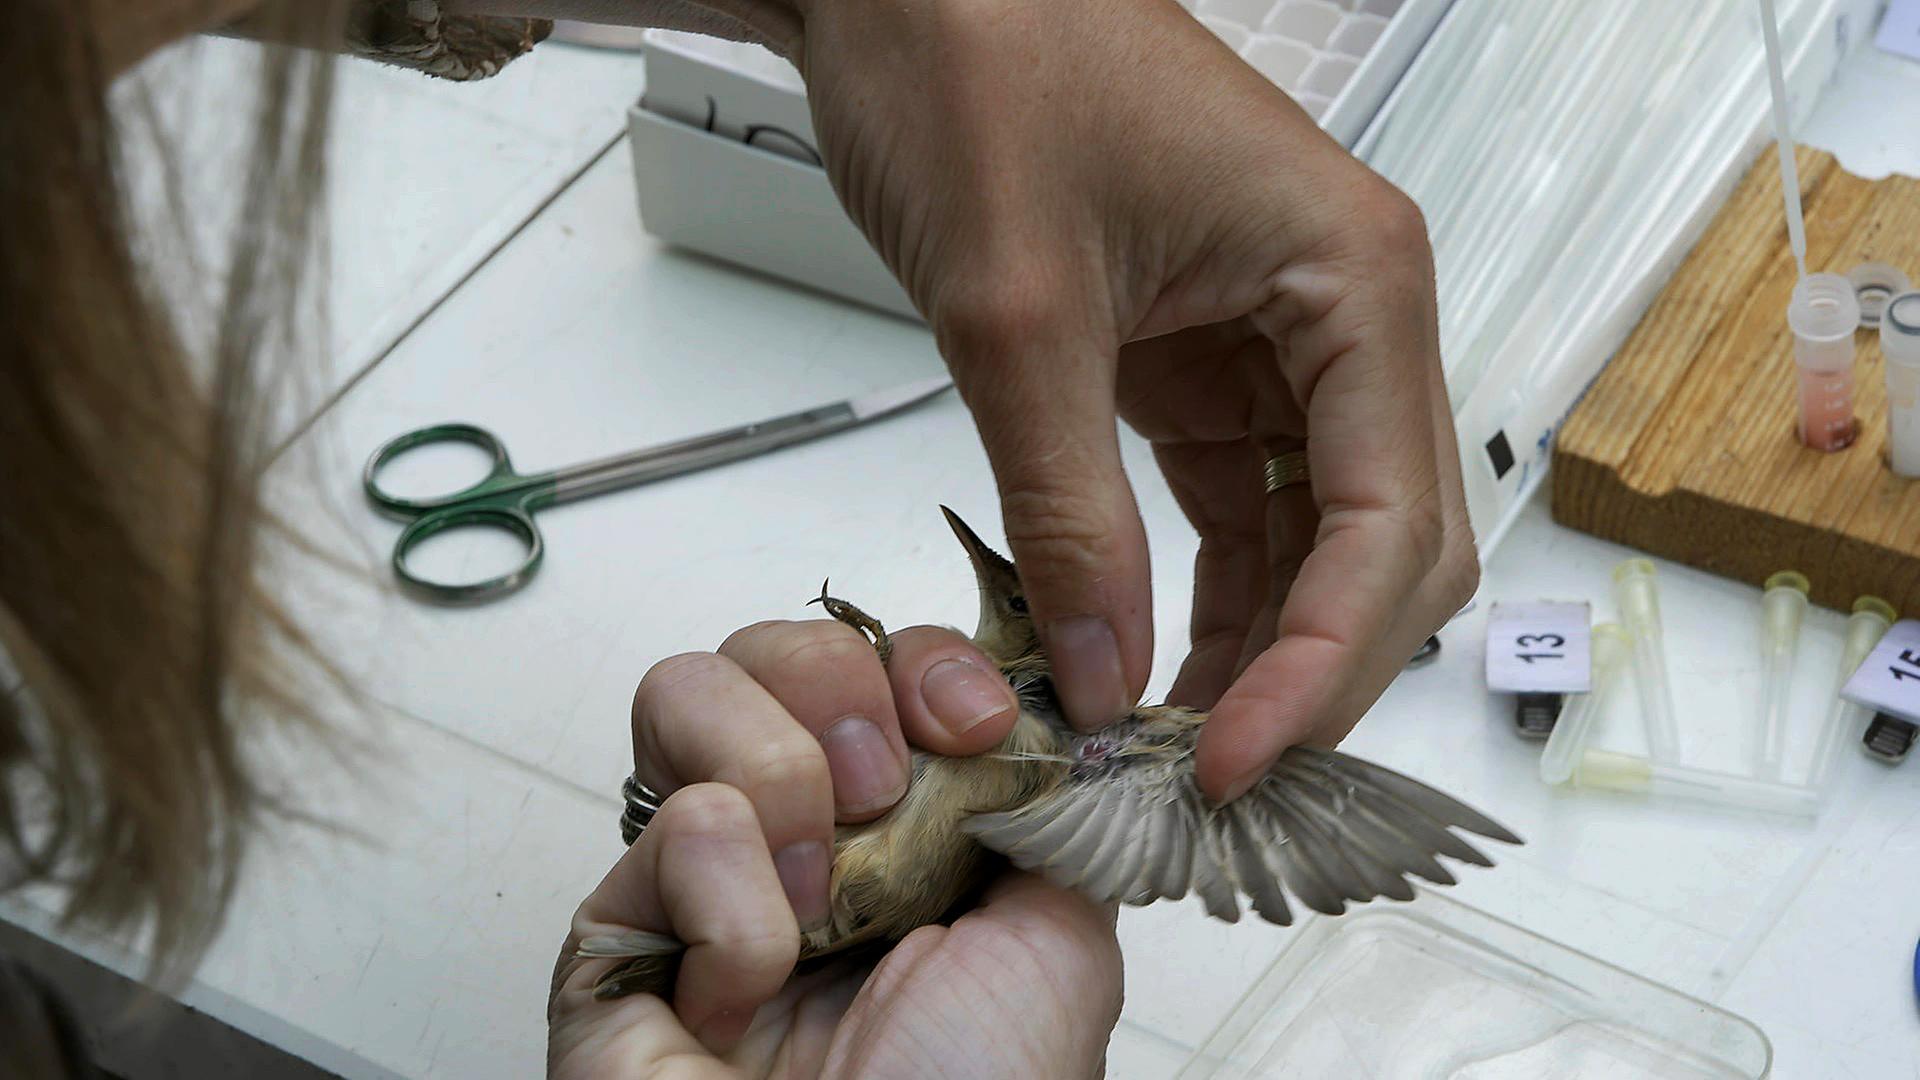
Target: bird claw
{"type": "Point", "coordinates": [867, 626]}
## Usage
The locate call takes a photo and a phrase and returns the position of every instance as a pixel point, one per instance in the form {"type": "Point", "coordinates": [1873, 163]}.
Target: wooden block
{"type": "Point", "coordinates": [1684, 447]}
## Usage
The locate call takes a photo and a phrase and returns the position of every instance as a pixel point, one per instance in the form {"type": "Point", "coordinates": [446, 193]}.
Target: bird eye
{"type": "Point", "coordinates": [1018, 604]}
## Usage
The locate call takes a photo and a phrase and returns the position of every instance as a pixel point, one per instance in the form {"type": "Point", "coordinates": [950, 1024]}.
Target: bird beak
{"type": "Point", "coordinates": [984, 558]}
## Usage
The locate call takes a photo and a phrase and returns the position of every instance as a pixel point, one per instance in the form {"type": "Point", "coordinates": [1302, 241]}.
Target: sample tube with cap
{"type": "Point", "coordinates": [1639, 600]}
{"type": "Point", "coordinates": [1609, 771]}
{"type": "Point", "coordinates": [1824, 314]}
{"type": "Point", "coordinates": [1610, 650]}
{"type": "Point", "coordinates": [1865, 627]}
{"type": "Point", "coordinates": [1782, 608]}
{"type": "Point", "coordinates": [1900, 343]}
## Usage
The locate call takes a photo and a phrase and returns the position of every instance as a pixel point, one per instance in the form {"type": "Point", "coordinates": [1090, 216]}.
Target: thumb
{"type": "Point", "coordinates": [1046, 417]}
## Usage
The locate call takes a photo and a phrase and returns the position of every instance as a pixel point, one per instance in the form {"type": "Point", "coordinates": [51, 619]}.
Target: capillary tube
{"type": "Point", "coordinates": [1639, 601]}
{"type": "Point", "coordinates": [1845, 720]}
{"type": "Point", "coordinates": [1783, 607]}
{"type": "Point", "coordinates": [1610, 771]}
{"type": "Point", "coordinates": [1612, 647]}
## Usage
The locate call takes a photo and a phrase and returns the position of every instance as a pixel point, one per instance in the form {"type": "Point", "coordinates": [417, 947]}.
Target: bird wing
{"type": "Point", "coordinates": [1327, 827]}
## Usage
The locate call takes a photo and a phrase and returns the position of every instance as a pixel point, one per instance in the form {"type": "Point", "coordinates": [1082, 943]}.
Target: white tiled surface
{"type": "Point", "coordinates": [502, 730]}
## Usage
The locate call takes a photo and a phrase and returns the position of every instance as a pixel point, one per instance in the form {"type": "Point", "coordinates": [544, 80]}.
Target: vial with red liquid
{"type": "Point", "coordinates": [1824, 314]}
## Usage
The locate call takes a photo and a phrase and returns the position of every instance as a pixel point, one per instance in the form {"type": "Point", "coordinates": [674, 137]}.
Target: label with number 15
{"type": "Point", "coordinates": [1889, 679]}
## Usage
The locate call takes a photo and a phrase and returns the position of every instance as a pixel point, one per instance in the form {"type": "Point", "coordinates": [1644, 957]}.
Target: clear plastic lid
{"type": "Point", "coordinates": [1435, 989]}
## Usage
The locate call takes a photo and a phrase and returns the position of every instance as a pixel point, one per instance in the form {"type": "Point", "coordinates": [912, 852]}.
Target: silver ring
{"type": "Point", "coordinates": [1287, 469]}
{"type": "Point", "coordinates": [642, 803]}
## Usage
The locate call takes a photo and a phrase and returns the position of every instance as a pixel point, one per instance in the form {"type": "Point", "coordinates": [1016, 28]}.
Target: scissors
{"type": "Point", "coordinates": [505, 499]}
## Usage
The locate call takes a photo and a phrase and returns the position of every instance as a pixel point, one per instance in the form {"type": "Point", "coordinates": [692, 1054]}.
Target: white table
{"type": "Point", "coordinates": [499, 734]}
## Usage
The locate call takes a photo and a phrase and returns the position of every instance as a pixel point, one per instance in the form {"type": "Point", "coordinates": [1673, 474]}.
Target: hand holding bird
{"type": "Point", "coordinates": [1113, 816]}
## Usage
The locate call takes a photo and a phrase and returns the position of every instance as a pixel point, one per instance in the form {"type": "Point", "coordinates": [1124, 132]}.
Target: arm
{"type": "Point", "coordinates": [1105, 215]}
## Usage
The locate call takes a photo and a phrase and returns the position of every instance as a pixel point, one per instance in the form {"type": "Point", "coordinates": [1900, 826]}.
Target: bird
{"type": "Point", "coordinates": [1115, 814]}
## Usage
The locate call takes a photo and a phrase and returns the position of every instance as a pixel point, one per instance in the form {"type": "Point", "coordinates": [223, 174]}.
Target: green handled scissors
{"type": "Point", "coordinates": [505, 499]}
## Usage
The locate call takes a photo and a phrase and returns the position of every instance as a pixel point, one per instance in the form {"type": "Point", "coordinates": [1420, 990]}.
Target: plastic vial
{"type": "Point", "coordinates": [1900, 343]}
{"type": "Point", "coordinates": [1608, 771]}
{"type": "Point", "coordinates": [1639, 600]}
{"type": "Point", "coordinates": [1865, 627]}
{"type": "Point", "coordinates": [1611, 648]}
{"type": "Point", "coordinates": [1782, 608]}
{"type": "Point", "coordinates": [1824, 315]}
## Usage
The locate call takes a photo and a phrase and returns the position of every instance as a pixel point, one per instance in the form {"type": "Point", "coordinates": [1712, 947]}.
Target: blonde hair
{"type": "Point", "coordinates": [131, 607]}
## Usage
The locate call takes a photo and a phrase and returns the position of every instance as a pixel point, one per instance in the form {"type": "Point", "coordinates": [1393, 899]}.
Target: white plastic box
{"type": "Point", "coordinates": [723, 143]}
{"type": "Point", "coordinates": [1436, 989]}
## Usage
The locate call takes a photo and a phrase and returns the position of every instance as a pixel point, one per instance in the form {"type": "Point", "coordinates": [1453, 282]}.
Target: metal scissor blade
{"type": "Point", "coordinates": [895, 398]}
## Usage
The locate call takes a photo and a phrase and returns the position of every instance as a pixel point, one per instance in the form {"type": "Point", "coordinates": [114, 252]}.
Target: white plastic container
{"type": "Point", "coordinates": [724, 148]}
{"type": "Point", "coordinates": [1900, 347]}
{"type": "Point", "coordinates": [1436, 989]}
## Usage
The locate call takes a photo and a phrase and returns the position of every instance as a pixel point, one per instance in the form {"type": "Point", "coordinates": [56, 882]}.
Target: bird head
{"type": "Point", "coordinates": [1006, 631]}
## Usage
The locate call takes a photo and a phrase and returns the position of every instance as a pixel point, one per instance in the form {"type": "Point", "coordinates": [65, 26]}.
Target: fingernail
{"type": "Point", "coordinates": [724, 1029]}
{"type": "Point", "coordinates": [803, 868]}
{"type": "Point", "coordinates": [866, 774]}
{"type": "Point", "coordinates": [962, 696]}
{"type": "Point", "coordinates": [1085, 657]}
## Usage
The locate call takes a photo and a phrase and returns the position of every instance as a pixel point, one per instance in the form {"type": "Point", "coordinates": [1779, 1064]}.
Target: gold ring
{"type": "Point", "coordinates": [1289, 468]}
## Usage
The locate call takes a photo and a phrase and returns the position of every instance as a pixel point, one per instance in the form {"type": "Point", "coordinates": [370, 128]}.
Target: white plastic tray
{"type": "Point", "coordinates": [1437, 989]}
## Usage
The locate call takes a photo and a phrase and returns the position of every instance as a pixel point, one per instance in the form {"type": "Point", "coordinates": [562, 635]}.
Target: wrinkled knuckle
{"type": "Point", "coordinates": [1005, 307]}
{"type": "Point", "coordinates": [740, 638]}
{"type": "Point", "coordinates": [1056, 532]}
{"type": "Point", "coordinates": [686, 673]}
{"type": "Point", "coordinates": [1393, 223]}
{"type": "Point", "coordinates": [755, 944]}
{"type": "Point", "coordinates": [931, 641]}
{"type": "Point", "coordinates": [821, 651]}
{"type": "Point", "coordinates": [786, 763]}
{"type": "Point", "coordinates": [709, 810]}
{"type": "Point", "coordinates": [685, 668]}
{"type": "Point", "coordinates": [747, 940]}
{"type": "Point", "coordinates": [1426, 535]}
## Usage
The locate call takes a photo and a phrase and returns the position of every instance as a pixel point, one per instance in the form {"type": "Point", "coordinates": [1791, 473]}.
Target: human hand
{"type": "Point", "coordinates": [1102, 211]}
{"type": "Point", "coordinates": [760, 749]}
